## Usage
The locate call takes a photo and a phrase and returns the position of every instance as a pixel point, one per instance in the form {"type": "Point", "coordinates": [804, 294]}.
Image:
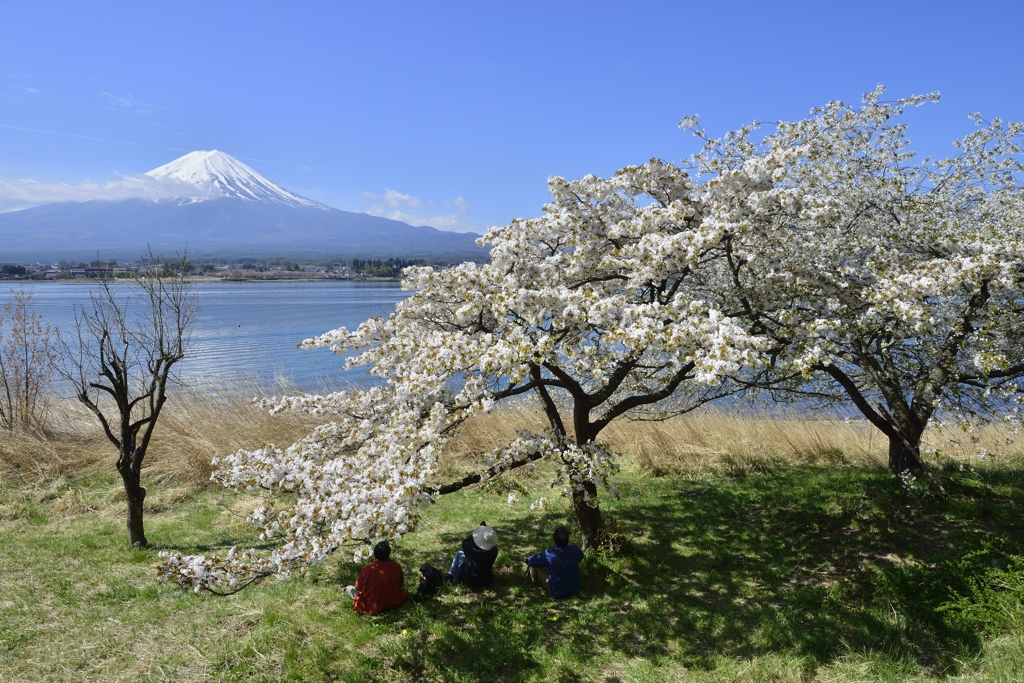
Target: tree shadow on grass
{"type": "Point", "coordinates": [464, 633]}
{"type": "Point", "coordinates": [809, 561]}
{"type": "Point", "coordinates": [805, 562]}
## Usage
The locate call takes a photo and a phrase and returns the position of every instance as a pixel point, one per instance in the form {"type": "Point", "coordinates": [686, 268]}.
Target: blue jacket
{"type": "Point", "coordinates": [563, 565]}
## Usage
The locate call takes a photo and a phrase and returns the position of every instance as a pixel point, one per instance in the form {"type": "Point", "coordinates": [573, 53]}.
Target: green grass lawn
{"type": "Point", "coordinates": [780, 572]}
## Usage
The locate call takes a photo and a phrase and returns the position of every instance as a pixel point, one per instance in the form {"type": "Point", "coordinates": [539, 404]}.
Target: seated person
{"type": "Point", "coordinates": [472, 565]}
{"type": "Point", "coordinates": [558, 568]}
{"type": "Point", "coordinates": [379, 586]}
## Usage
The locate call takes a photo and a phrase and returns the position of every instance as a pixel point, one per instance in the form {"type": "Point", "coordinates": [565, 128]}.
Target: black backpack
{"type": "Point", "coordinates": [431, 580]}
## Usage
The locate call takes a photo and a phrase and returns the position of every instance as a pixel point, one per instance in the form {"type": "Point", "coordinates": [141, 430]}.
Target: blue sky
{"type": "Point", "coordinates": [455, 114]}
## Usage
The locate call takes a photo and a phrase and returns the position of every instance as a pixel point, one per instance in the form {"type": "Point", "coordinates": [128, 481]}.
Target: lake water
{"type": "Point", "coordinates": [249, 330]}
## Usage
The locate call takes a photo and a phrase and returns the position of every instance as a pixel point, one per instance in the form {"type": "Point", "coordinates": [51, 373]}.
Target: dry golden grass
{"type": "Point", "coordinates": [197, 424]}
{"type": "Point", "coordinates": [709, 441]}
{"type": "Point", "coordinates": [698, 444]}
{"type": "Point", "coordinates": [200, 423]}
{"type": "Point", "coordinates": [714, 441]}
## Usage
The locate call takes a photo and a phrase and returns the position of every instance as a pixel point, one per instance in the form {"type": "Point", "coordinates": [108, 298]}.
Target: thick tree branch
{"type": "Point", "coordinates": [615, 380]}
{"type": "Point", "coordinates": [851, 389]}
{"type": "Point", "coordinates": [549, 405]}
{"type": "Point", "coordinates": [928, 391]}
{"type": "Point", "coordinates": [570, 384]}
{"type": "Point", "coordinates": [476, 478]}
{"type": "Point", "coordinates": [1009, 373]}
{"type": "Point", "coordinates": [636, 401]}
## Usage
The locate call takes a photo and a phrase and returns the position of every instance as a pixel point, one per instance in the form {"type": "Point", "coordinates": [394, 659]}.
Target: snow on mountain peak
{"type": "Point", "coordinates": [223, 175]}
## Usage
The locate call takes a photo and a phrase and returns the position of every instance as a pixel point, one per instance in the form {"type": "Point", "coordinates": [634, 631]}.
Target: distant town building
{"type": "Point", "coordinates": [98, 271]}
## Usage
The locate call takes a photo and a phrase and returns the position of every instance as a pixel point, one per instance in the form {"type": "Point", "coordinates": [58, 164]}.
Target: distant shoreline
{"type": "Point", "coordinates": [257, 278]}
{"type": "Point", "coordinates": [208, 280]}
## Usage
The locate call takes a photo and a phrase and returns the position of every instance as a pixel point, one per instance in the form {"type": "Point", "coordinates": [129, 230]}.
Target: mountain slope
{"type": "Point", "coordinates": [246, 216]}
{"type": "Point", "coordinates": [227, 227]}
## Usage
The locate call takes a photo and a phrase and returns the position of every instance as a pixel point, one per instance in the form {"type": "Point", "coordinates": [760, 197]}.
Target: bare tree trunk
{"type": "Point", "coordinates": [904, 447]}
{"type": "Point", "coordinates": [136, 495]}
{"type": "Point", "coordinates": [901, 457]}
{"type": "Point", "coordinates": [588, 517]}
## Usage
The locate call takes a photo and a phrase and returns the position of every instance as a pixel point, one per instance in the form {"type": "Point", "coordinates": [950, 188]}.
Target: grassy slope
{"type": "Point", "coordinates": [780, 572]}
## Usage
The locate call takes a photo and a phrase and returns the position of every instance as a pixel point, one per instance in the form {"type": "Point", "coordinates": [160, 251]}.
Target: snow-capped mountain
{"type": "Point", "coordinates": [234, 212]}
{"type": "Point", "coordinates": [223, 175]}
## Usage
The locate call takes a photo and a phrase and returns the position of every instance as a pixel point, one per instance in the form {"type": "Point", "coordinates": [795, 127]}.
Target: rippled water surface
{"type": "Point", "coordinates": [249, 330]}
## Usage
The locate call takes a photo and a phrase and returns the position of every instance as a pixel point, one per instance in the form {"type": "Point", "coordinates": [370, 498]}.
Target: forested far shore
{"type": "Point", "coordinates": [275, 268]}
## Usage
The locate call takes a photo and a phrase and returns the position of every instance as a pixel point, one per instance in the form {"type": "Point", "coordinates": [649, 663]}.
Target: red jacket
{"type": "Point", "coordinates": [380, 587]}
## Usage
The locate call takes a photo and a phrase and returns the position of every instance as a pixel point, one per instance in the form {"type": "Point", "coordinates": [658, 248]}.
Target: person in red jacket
{"type": "Point", "coordinates": [379, 586]}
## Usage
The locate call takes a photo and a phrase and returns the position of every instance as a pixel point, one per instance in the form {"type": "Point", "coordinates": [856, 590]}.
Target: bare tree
{"type": "Point", "coordinates": [26, 361]}
{"type": "Point", "coordinates": [120, 364]}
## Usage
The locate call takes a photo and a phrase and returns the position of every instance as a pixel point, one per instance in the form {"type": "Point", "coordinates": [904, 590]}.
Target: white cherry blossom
{"type": "Point", "coordinates": [820, 261]}
{"type": "Point", "coordinates": [881, 280]}
{"type": "Point", "coordinates": [591, 309]}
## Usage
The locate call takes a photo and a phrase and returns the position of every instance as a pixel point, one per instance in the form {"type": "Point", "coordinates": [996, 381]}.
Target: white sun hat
{"type": "Point", "coordinates": [485, 537]}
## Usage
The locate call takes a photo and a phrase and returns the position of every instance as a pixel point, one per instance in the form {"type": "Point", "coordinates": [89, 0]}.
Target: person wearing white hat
{"type": "Point", "coordinates": [472, 565]}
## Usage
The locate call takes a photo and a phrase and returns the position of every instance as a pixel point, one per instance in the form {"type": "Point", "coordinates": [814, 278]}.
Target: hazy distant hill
{"type": "Point", "coordinates": [245, 215]}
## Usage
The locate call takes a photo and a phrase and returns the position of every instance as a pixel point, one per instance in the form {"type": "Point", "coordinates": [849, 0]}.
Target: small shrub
{"type": "Point", "coordinates": [26, 362]}
{"type": "Point", "coordinates": [740, 467]}
{"type": "Point", "coordinates": [829, 455]}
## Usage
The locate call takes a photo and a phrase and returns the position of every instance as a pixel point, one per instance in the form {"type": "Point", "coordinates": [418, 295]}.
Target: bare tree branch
{"type": "Point", "coordinates": [131, 362]}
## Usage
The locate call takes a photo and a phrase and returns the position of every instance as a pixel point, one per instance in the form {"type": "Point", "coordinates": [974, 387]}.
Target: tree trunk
{"type": "Point", "coordinates": [589, 518]}
{"type": "Point", "coordinates": [135, 495]}
{"type": "Point", "coordinates": [905, 451]}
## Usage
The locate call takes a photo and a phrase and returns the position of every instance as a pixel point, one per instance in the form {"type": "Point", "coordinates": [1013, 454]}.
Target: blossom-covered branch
{"type": "Point", "coordinates": [591, 308]}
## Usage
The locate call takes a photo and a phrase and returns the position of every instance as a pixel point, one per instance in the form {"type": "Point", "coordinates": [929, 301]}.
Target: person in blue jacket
{"type": "Point", "coordinates": [558, 568]}
{"type": "Point", "coordinates": [472, 565]}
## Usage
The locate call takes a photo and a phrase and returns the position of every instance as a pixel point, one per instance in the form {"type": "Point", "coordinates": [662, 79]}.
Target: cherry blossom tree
{"type": "Point", "coordinates": [883, 281]}
{"type": "Point", "coordinates": [589, 309]}
{"type": "Point", "coordinates": [819, 262]}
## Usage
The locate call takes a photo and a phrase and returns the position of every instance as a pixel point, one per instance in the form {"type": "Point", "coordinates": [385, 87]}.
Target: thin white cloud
{"type": "Point", "coordinates": [34, 91]}
{"type": "Point", "coordinates": [129, 102]}
{"type": "Point", "coordinates": [16, 194]}
{"type": "Point", "coordinates": [395, 199]}
{"type": "Point", "coordinates": [69, 135]}
{"type": "Point", "coordinates": [415, 211]}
